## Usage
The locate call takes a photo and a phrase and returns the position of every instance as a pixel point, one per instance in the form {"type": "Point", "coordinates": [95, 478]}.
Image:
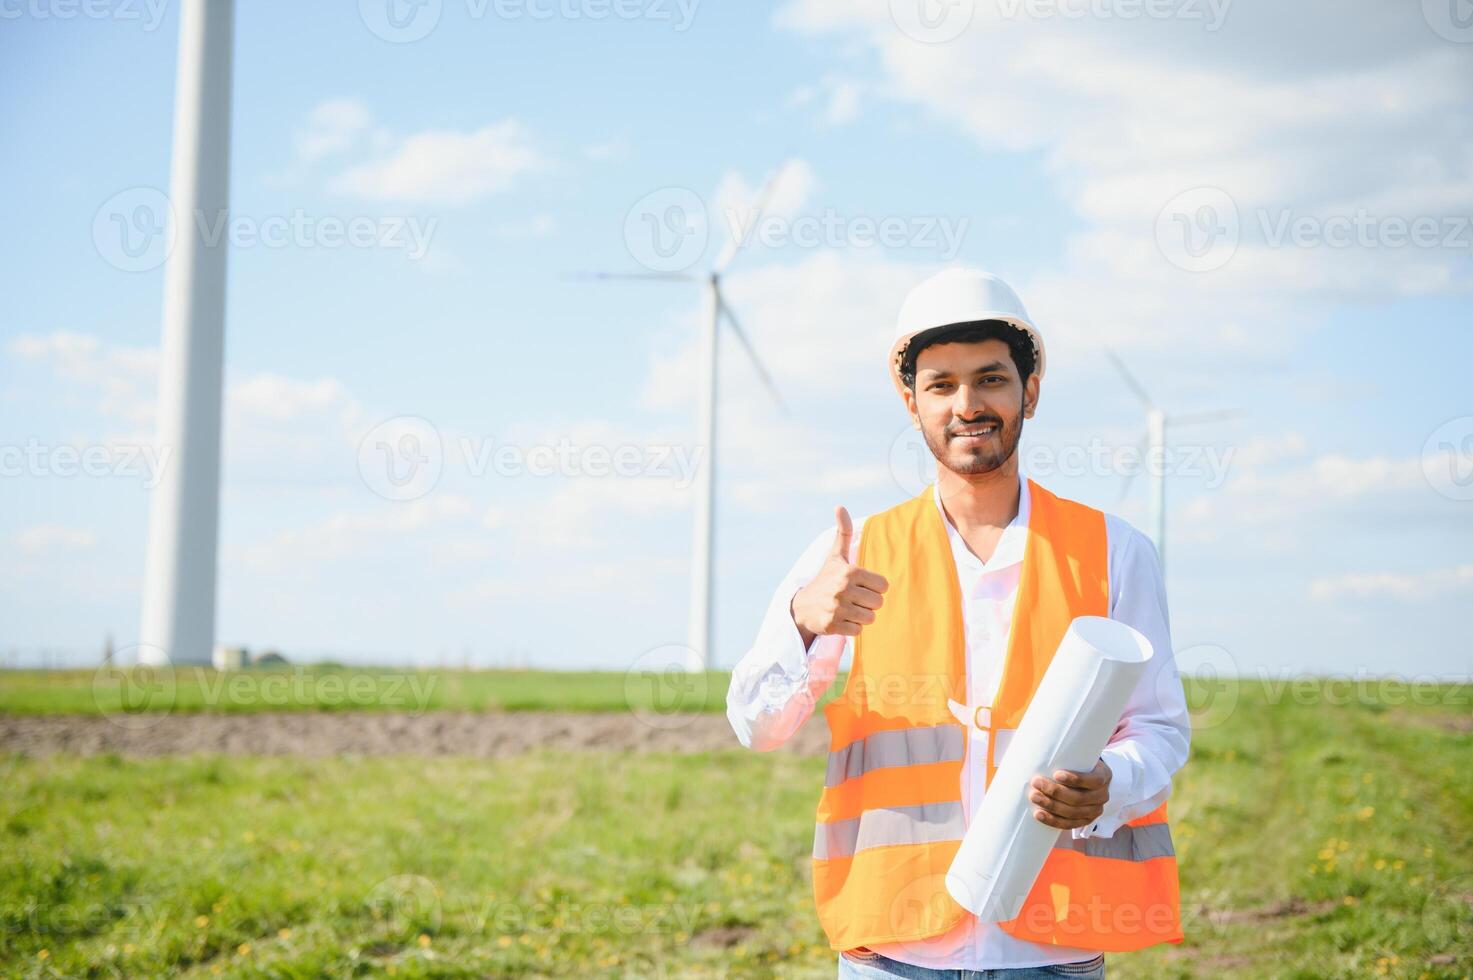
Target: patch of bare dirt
{"type": "Point", "coordinates": [725, 937]}
{"type": "Point", "coordinates": [1295, 906]}
{"type": "Point", "coordinates": [1457, 724]}
{"type": "Point", "coordinates": [480, 734]}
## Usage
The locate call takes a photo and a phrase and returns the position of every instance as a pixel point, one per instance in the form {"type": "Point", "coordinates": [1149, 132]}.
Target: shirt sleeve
{"type": "Point", "coordinates": [1153, 737]}
{"type": "Point", "coordinates": [776, 684]}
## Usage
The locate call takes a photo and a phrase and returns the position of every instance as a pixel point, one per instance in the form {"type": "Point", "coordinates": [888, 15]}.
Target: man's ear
{"type": "Point", "coordinates": [910, 406]}
{"type": "Point", "coordinates": [1030, 395]}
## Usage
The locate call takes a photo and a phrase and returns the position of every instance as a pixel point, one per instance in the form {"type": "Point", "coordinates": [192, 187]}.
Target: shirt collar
{"type": "Point", "coordinates": [1010, 546]}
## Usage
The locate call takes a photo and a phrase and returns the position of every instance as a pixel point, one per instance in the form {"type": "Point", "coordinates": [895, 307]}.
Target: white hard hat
{"type": "Point", "coordinates": [959, 295]}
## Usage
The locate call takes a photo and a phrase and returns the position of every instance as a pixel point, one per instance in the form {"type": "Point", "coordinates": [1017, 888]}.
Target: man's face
{"type": "Point", "coordinates": [971, 404]}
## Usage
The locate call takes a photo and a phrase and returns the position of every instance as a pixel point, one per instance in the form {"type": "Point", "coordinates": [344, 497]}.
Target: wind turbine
{"type": "Point", "coordinates": [177, 622]}
{"type": "Point", "coordinates": [1155, 442]}
{"type": "Point", "coordinates": [713, 308]}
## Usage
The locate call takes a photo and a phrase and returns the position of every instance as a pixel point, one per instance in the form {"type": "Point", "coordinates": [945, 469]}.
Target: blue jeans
{"type": "Point", "coordinates": [873, 966]}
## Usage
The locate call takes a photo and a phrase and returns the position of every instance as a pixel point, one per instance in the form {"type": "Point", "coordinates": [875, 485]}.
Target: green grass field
{"type": "Point", "coordinates": [33, 692]}
{"type": "Point", "coordinates": [1316, 839]}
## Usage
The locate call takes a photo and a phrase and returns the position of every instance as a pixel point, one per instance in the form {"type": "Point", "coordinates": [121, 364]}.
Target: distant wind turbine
{"type": "Point", "coordinates": [714, 308]}
{"type": "Point", "coordinates": [1154, 445]}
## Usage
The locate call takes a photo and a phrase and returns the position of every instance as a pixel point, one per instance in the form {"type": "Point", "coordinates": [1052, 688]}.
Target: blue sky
{"type": "Point", "coordinates": [1069, 146]}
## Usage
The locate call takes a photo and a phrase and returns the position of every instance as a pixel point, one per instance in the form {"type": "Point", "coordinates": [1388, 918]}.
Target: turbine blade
{"type": "Point", "coordinates": [764, 198]}
{"type": "Point", "coordinates": [751, 352]}
{"type": "Point", "coordinates": [1135, 386]}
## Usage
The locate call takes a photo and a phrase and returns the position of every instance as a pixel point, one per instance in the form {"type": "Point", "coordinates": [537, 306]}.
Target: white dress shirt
{"type": "Point", "coordinates": [777, 683]}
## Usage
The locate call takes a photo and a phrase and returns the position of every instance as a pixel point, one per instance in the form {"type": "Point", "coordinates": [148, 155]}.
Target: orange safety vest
{"type": "Point", "coordinates": [890, 818]}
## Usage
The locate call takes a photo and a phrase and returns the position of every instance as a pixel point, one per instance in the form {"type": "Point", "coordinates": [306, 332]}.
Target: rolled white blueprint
{"type": "Point", "coordinates": [1068, 722]}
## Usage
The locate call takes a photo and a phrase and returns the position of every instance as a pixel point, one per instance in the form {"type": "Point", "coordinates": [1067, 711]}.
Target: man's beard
{"type": "Point", "coordinates": [984, 459]}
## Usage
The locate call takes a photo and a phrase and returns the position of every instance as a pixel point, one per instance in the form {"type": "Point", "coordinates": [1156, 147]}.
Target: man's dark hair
{"type": "Point", "coordinates": [1020, 345]}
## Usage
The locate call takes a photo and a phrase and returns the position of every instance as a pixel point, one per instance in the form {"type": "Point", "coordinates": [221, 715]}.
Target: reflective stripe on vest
{"type": "Point", "coordinates": [1126, 844]}
{"type": "Point", "coordinates": [900, 747]}
{"type": "Point", "coordinates": [890, 818]}
{"type": "Point", "coordinates": [920, 824]}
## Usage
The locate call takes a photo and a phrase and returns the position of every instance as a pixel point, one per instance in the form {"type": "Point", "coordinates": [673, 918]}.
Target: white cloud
{"type": "Point", "coordinates": [1410, 586]}
{"type": "Point", "coordinates": [1127, 114]}
{"type": "Point", "coordinates": [332, 128]}
{"type": "Point", "coordinates": [841, 98]}
{"type": "Point", "coordinates": [276, 398]}
{"type": "Point", "coordinates": [273, 424]}
{"type": "Point", "coordinates": [443, 166]}
{"type": "Point", "coordinates": [352, 533]}
{"type": "Point", "coordinates": [122, 378]}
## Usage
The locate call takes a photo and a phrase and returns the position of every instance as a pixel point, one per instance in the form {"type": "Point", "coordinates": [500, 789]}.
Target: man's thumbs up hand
{"type": "Point", "coordinates": [844, 535]}
{"type": "Point", "coordinates": [843, 597]}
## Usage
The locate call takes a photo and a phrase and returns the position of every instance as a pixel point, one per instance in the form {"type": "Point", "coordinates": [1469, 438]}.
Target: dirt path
{"type": "Point", "coordinates": [482, 734]}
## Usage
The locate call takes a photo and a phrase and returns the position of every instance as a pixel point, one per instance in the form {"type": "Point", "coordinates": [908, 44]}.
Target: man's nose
{"type": "Point", "coordinates": [967, 403]}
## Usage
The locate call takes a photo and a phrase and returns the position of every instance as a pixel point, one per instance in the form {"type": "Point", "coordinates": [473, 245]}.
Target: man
{"type": "Point", "coordinates": [955, 601]}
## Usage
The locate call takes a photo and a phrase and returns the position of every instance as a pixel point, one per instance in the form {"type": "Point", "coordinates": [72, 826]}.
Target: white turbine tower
{"type": "Point", "coordinates": [713, 308]}
{"type": "Point", "coordinates": [178, 616]}
{"type": "Point", "coordinates": [1155, 450]}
